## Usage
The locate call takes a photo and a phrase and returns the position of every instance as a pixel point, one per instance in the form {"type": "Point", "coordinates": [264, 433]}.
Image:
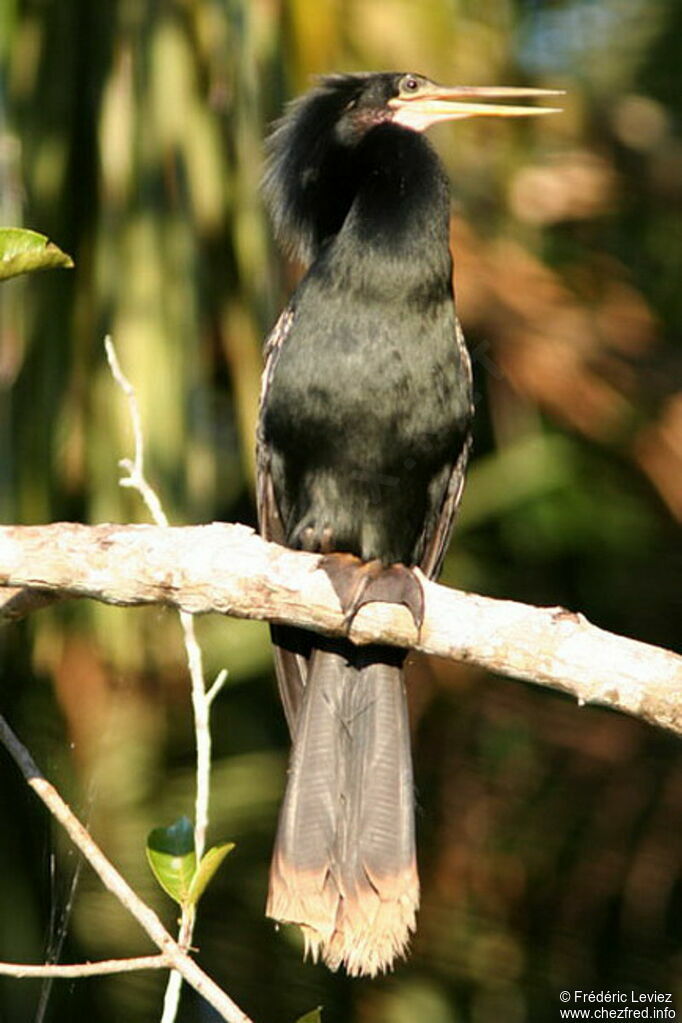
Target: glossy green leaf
{"type": "Point", "coordinates": [24, 251]}
{"type": "Point", "coordinates": [315, 1016]}
{"type": "Point", "coordinates": [206, 869]}
{"type": "Point", "coordinates": [171, 856]}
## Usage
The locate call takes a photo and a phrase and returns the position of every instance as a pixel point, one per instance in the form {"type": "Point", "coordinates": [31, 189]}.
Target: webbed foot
{"type": "Point", "coordinates": [357, 583]}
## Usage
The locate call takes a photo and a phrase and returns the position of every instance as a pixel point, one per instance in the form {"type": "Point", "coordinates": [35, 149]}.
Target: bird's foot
{"type": "Point", "coordinates": [357, 583]}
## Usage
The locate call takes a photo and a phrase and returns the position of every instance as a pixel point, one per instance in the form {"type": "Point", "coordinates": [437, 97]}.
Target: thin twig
{"type": "Point", "coordinates": [136, 480]}
{"type": "Point", "coordinates": [56, 945]}
{"type": "Point", "coordinates": [202, 733]}
{"type": "Point", "coordinates": [201, 700]}
{"type": "Point", "coordinates": [171, 997]}
{"type": "Point", "coordinates": [220, 680]}
{"type": "Point", "coordinates": [135, 467]}
{"type": "Point", "coordinates": [146, 917]}
{"type": "Point", "coordinates": [96, 969]}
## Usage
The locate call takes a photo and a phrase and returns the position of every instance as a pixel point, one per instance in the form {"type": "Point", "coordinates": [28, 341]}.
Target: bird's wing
{"type": "Point", "coordinates": [290, 665]}
{"type": "Point", "coordinates": [439, 527]}
{"type": "Point", "coordinates": [269, 517]}
{"type": "Point", "coordinates": [437, 537]}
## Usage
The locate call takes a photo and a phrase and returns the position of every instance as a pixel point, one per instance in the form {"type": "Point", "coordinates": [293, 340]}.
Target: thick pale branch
{"type": "Point", "coordinates": [229, 570]}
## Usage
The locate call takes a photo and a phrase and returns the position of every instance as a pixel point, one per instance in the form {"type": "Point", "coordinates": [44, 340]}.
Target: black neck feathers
{"type": "Point", "coordinates": [338, 169]}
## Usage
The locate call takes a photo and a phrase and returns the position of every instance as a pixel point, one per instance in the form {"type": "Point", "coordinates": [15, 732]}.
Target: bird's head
{"type": "Point", "coordinates": [415, 102]}
{"type": "Point", "coordinates": [309, 179]}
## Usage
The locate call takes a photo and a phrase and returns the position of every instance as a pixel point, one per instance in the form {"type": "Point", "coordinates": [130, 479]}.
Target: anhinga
{"type": "Point", "coordinates": [363, 439]}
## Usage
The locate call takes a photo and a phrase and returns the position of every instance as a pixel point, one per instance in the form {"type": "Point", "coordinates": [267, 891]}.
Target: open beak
{"type": "Point", "coordinates": [435, 103]}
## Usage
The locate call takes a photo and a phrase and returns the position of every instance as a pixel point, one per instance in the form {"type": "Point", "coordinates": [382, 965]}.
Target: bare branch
{"type": "Point", "coordinates": [201, 700]}
{"type": "Point", "coordinates": [96, 969]}
{"type": "Point", "coordinates": [230, 570]}
{"type": "Point", "coordinates": [176, 956]}
{"type": "Point", "coordinates": [218, 684]}
{"type": "Point", "coordinates": [135, 467]}
{"type": "Point", "coordinates": [137, 480]}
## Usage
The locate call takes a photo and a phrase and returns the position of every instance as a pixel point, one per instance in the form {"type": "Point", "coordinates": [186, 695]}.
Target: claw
{"type": "Point", "coordinates": [357, 583]}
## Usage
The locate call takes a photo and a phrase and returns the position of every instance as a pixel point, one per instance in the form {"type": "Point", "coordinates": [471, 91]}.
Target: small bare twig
{"type": "Point", "coordinates": [201, 699]}
{"type": "Point", "coordinates": [218, 684]}
{"type": "Point", "coordinates": [177, 957]}
{"type": "Point", "coordinates": [96, 969]}
{"type": "Point", "coordinates": [134, 467]}
{"type": "Point", "coordinates": [59, 928]}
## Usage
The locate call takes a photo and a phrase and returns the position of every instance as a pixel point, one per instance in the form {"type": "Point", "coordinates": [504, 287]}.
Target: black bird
{"type": "Point", "coordinates": [363, 438]}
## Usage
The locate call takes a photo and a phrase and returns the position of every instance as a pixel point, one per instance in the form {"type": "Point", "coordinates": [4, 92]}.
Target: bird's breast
{"type": "Point", "coordinates": [368, 384]}
{"type": "Point", "coordinates": [366, 412]}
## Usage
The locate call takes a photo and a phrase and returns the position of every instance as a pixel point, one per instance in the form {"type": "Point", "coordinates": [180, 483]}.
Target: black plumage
{"type": "Point", "coordinates": [363, 439]}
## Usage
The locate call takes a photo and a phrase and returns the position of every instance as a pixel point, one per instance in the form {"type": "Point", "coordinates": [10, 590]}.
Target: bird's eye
{"type": "Point", "coordinates": [410, 84]}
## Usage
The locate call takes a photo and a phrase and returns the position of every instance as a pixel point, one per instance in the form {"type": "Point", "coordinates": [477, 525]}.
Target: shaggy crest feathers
{"type": "Point", "coordinates": [308, 164]}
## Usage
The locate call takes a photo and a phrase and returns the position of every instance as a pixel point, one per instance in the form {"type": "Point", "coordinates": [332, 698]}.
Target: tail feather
{"type": "Point", "coordinates": [344, 866]}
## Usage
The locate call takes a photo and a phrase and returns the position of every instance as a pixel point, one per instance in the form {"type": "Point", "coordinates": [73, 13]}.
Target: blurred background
{"type": "Point", "coordinates": [550, 836]}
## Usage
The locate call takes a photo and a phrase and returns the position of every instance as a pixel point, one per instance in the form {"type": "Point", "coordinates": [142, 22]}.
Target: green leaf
{"type": "Point", "coordinates": [23, 251]}
{"type": "Point", "coordinates": [315, 1016]}
{"type": "Point", "coordinates": [206, 869]}
{"type": "Point", "coordinates": [171, 855]}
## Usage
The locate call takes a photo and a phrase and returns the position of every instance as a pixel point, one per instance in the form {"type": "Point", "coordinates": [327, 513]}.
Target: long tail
{"type": "Point", "coordinates": [344, 865]}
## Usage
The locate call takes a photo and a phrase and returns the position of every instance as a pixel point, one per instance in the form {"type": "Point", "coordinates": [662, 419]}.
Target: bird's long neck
{"type": "Point", "coordinates": [395, 237]}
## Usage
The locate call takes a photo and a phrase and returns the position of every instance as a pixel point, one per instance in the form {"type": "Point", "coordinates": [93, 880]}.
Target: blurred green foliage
{"type": "Point", "coordinates": [549, 835]}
